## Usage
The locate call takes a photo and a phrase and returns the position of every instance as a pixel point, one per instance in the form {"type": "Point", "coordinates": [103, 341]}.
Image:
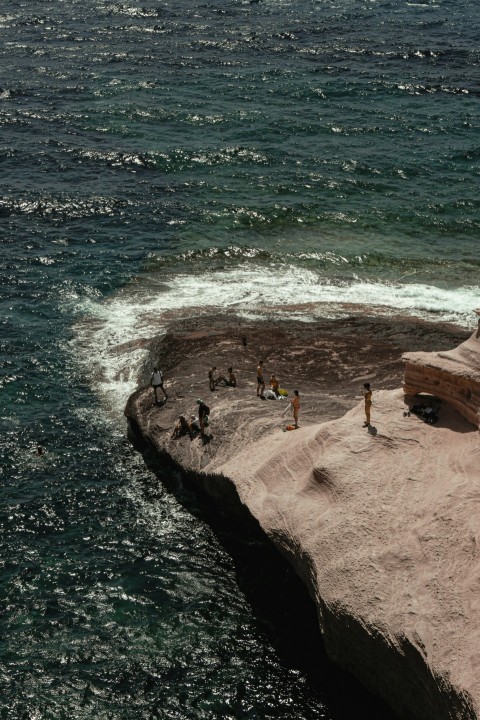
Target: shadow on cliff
{"type": "Point", "coordinates": [277, 596]}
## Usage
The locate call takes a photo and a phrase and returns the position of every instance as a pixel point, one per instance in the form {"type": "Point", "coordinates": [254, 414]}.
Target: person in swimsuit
{"type": "Point", "coordinates": [260, 380]}
{"type": "Point", "coordinates": [295, 406]}
{"type": "Point", "coordinates": [231, 381]}
{"type": "Point", "coordinates": [274, 384]}
{"type": "Point", "coordinates": [368, 403]}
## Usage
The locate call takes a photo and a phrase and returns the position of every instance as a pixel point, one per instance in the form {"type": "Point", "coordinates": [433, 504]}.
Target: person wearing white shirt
{"type": "Point", "coordinates": [156, 381]}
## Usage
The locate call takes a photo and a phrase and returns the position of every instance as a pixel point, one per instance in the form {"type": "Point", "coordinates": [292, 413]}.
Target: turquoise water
{"type": "Point", "coordinates": [291, 158]}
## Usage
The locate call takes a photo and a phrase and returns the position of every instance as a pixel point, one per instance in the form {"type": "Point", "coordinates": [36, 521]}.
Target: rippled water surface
{"type": "Point", "coordinates": [156, 156]}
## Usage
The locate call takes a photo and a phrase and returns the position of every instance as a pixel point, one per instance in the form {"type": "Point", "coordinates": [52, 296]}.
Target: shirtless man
{"type": "Point", "coordinates": [260, 380]}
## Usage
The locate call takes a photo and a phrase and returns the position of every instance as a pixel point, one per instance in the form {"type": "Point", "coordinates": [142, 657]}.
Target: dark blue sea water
{"type": "Point", "coordinates": [290, 157]}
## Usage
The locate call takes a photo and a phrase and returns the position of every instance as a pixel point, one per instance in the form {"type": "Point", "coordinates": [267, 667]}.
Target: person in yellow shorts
{"type": "Point", "coordinates": [368, 403]}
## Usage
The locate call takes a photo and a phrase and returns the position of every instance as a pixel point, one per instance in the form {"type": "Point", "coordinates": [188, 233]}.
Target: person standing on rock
{"type": "Point", "coordinates": [156, 381]}
{"type": "Point", "coordinates": [260, 380]}
{"type": "Point", "coordinates": [211, 378]}
{"type": "Point", "coordinates": [203, 413]}
{"type": "Point", "coordinates": [295, 406]}
{"type": "Point", "coordinates": [368, 403]}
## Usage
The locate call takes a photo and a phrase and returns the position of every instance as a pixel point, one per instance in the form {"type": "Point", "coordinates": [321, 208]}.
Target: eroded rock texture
{"type": "Point", "coordinates": [453, 376]}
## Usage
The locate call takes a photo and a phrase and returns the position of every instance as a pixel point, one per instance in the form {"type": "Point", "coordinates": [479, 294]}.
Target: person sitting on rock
{"type": "Point", "coordinates": [274, 383]}
{"type": "Point", "coordinates": [194, 424]}
{"type": "Point", "coordinates": [182, 427]}
{"type": "Point", "coordinates": [211, 378]}
{"type": "Point", "coordinates": [231, 381]}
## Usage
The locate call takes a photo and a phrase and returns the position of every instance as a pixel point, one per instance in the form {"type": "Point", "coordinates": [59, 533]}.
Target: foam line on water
{"type": "Point", "coordinates": [111, 337]}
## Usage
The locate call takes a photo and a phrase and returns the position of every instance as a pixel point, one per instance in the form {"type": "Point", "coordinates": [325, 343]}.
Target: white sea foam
{"type": "Point", "coordinates": [112, 336]}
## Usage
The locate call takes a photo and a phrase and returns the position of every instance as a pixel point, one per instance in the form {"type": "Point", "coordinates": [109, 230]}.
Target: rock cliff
{"type": "Point", "coordinates": [381, 524]}
{"type": "Point", "coordinates": [452, 375]}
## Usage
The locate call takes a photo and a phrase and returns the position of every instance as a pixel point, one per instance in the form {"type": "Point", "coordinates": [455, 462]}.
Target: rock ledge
{"type": "Point", "coordinates": [382, 526]}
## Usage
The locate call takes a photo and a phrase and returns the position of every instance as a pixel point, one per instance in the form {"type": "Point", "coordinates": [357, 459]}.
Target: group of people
{"type": "Point", "coordinates": [274, 383]}
{"type": "Point", "coordinates": [213, 381]}
{"type": "Point", "coordinates": [195, 425]}
{"type": "Point", "coordinates": [275, 389]}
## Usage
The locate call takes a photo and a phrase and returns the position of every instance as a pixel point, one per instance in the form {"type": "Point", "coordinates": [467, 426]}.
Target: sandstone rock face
{"type": "Point", "coordinates": [382, 524]}
{"type": "Point", "coordinates": [384, 529]}
{"type": "Point", "coordinates": [452, 375]}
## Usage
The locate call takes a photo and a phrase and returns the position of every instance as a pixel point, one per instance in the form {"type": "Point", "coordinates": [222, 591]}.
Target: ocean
{"type": "Point", "coordinates": [280, 158]}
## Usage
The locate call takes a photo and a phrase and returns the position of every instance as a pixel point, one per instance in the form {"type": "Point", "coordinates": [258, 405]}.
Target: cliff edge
{"type": "Point", "coordinates": [381, 524]}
